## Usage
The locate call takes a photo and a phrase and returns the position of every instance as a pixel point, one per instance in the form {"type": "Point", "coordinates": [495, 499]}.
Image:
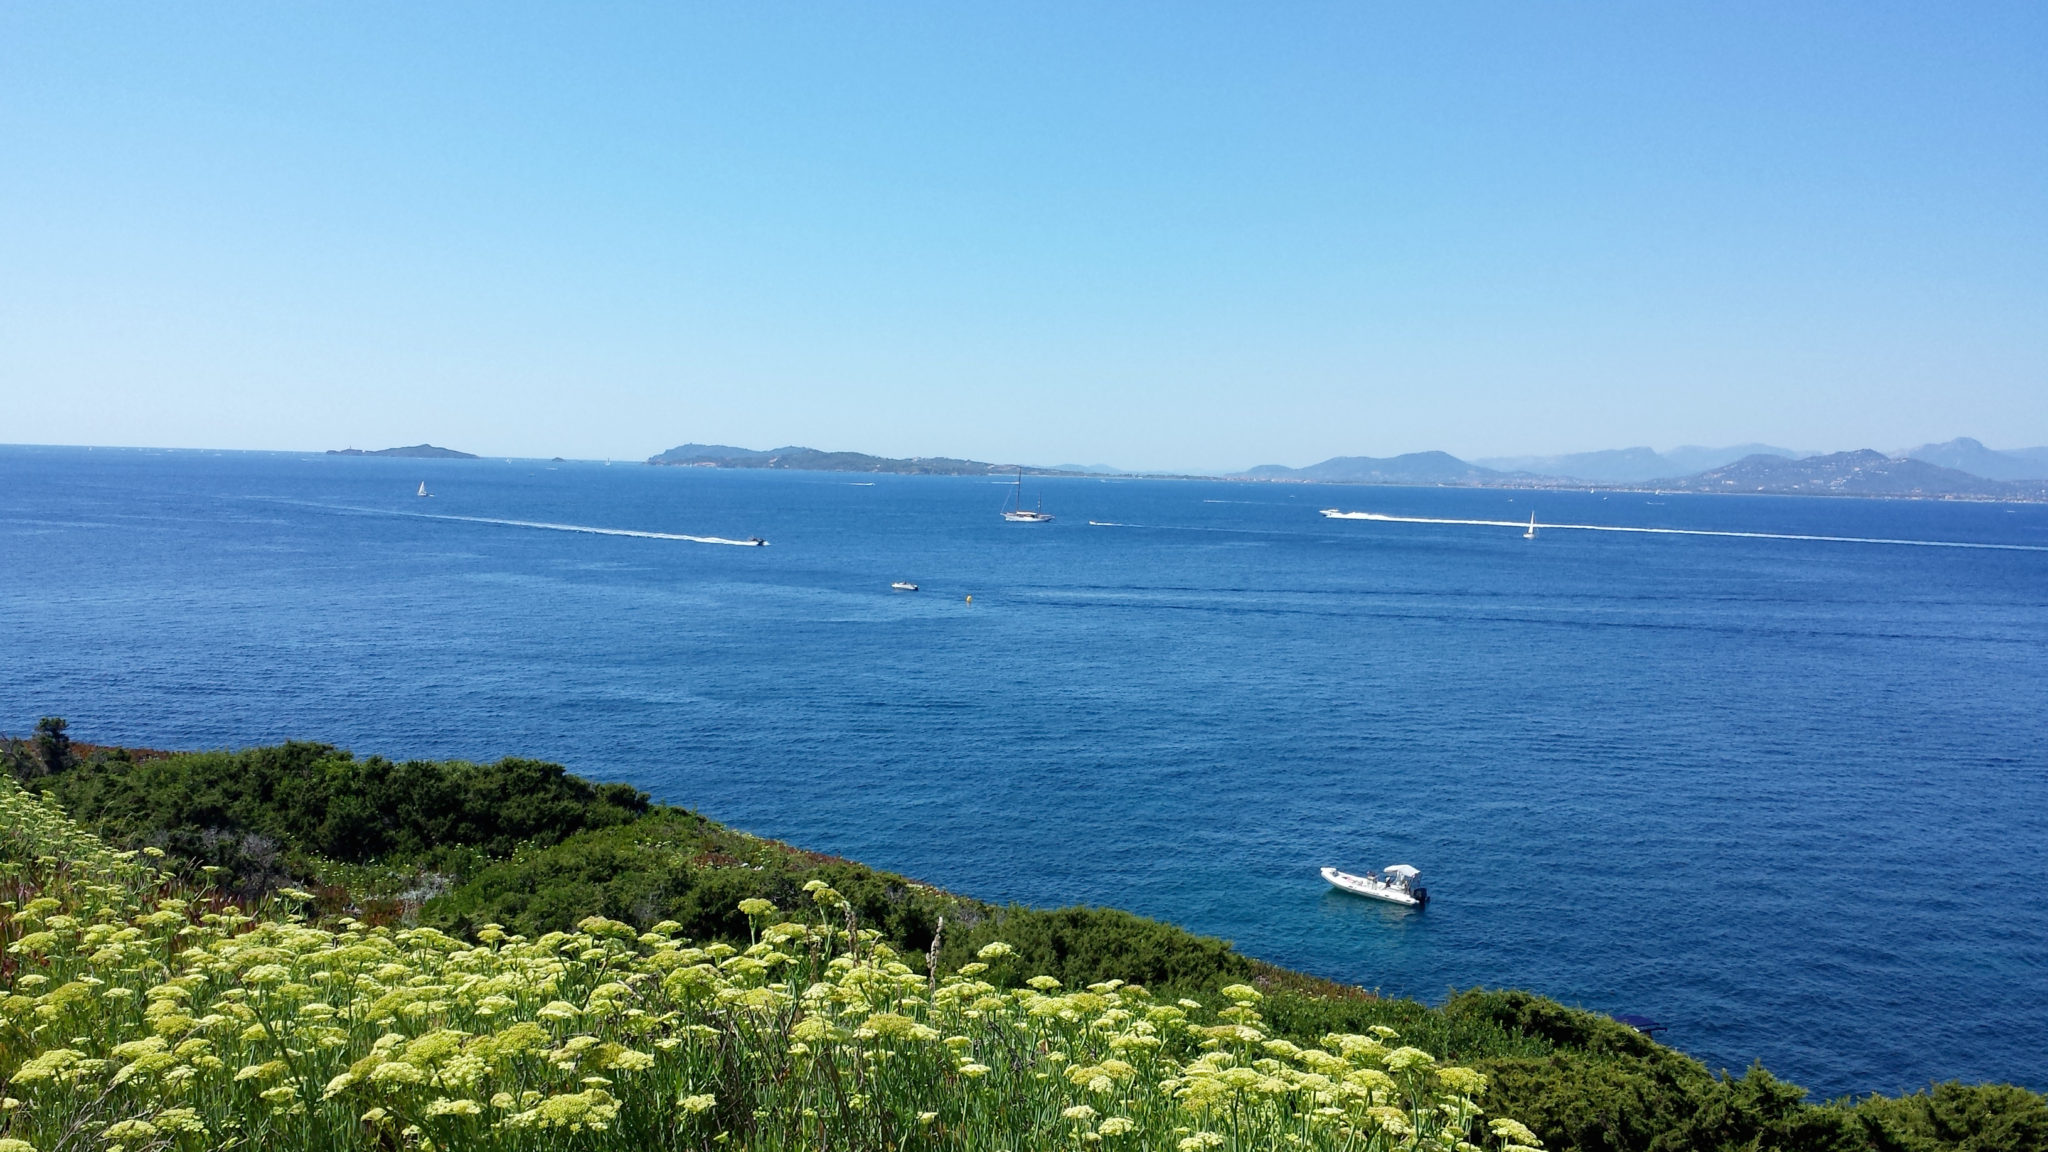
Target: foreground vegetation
{"type": "Point", "coordinates": [304, 919]}
{"type": "Point", "coordinates": [144, 1015]}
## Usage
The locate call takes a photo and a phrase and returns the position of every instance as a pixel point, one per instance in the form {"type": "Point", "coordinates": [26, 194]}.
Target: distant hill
{"type": "Point", "coordinates": [1614, 465]}
{"type": "Point", "coordinates": [812, 460]}
{"type": "Point", "coordinates": [1692, 458]}
{"type": "Point", "coordinates": [1631, 465]}
{"type": "Point", "coordinates": [1861, 473]}
{"type": "Point", "coordinates": [1411, 468]}
{"type": "Point", "coordinates": [699, 453]}
{"type": "Point", "coordinates": [1770, 470]}
{"type": "Point", "coordinates": [1967, 455]}
{"type": "Point", "coordinates": [416, 452]}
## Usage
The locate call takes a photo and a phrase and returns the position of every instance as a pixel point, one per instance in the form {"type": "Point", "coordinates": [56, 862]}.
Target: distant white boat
{"type": "Point", "coordinates": [904, 586]}
{"type": "Point", "coordinates": [1395, 884]}
{"type": "Point", "coordinates": [1531, 533]}
{"type": "Point", "coordinates": [1022, 515]}
{"type": "Point", "coordinates": [423, 489]}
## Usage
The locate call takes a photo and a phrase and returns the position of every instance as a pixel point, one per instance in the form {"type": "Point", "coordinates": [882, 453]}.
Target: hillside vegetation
{"type": "Point", "coordinates": [451, 859]}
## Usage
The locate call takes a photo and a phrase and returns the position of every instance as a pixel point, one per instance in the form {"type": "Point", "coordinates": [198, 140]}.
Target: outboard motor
{"type": "Point", "coordinates": [1421, 896]}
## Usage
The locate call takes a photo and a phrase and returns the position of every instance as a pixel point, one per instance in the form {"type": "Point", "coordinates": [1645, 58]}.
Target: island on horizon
{"type": "Point", "coordinates": [812, 460]}
{"type": "Point", "coordinates": [414, 452]}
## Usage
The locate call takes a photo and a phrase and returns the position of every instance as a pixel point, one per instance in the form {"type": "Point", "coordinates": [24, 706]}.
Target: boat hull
{"type": "Point", "coordinates": [1375, 890]}
{"type": "Point", "coordinates": [1028, 517]}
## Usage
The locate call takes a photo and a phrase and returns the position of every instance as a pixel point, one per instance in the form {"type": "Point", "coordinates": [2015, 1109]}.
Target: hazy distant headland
{"type": "Point", "coordinates": [415, 452]}
{"type": "Point", "coordinates": [1864, 473]}
{"type": "Point", "coordinates": [1960, 469]}
{"type": "Point", "coordinates": [1635, 465]}
{"type": "Point", "coordinates": [813, 460]}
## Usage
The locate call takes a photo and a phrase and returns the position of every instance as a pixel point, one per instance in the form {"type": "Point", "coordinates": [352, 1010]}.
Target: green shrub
{"type": "Point", "coordinates": [1963, 1117]}
{"type": "Point", "coordinates": [267, 812]}
{"type": "Point", "coordinates": [673, 864]}
{"type": "Point", "coordinates": [1081, 946]}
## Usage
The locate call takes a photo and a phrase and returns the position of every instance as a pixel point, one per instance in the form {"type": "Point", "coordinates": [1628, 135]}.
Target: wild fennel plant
{"type": "Point", "coordinates": [140, 1014]}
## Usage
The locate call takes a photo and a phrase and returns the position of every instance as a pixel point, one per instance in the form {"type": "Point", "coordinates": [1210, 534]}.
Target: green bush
{"type": "Point", "coordinates": [1080, 946]}
{"type": "Point", "coordinates": [673, 864]}
{"type": "Point", "coordinates": [267, 812]}
{"type": "Point", "coordinates": [1964, 1117]}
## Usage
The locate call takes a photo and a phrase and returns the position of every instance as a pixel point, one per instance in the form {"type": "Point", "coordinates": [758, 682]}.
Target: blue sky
{"type": "Point", "coordinates": [1173, 235]}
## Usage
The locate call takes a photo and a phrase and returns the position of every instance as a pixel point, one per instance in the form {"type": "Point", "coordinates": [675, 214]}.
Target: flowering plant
{"type": "Point", "coordinates": [139, 1014]}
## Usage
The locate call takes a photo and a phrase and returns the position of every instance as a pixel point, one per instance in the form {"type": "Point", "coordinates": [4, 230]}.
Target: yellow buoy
{"type": "Point", "coordinates": [970, 598]}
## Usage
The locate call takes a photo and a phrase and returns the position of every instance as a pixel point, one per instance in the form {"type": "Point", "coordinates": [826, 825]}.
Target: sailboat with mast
{"type": "Point", "coordinates": [1020, 514]}
{"type": "Point", "coordinates": [1531, 533]}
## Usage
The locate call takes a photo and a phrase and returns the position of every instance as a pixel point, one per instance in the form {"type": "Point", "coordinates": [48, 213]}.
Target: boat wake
{"type": "Point", "coordinates": [1182, 528]}
{"type": "Point", "coordinates": [551, 527]}
{"type": "Point", "coordinates": [546, 525]}
{"type": "Point", "coordinates": [1534, 525]}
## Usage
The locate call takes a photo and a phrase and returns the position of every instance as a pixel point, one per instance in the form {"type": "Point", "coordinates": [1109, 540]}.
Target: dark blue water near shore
{"type": "Point", "coordinates": [1791, 797]}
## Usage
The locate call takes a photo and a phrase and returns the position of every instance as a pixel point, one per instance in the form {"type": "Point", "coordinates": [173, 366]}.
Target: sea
{"type": "Point", "coordinates": [1788, 796]}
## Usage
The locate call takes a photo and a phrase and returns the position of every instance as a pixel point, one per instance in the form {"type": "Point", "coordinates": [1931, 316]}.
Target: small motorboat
{"type": "Point", "coordinates": [756, 542]}
{"type": "Point", "coordinates": [904, 586]}
{"type": "Point", "coordinates": [1395, 884]}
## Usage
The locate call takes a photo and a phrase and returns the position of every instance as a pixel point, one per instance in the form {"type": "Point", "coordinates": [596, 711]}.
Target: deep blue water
{"type": "Point", "coordinates": [1791, 797]}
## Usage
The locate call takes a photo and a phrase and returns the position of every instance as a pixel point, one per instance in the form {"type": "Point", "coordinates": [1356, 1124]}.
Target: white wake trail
{"type": "Point", "coordinates": [1382, 517]}
{"type": "Point", "coordinates": [544, 525]}
{"type": "Point", "coordinates": [551, 527]}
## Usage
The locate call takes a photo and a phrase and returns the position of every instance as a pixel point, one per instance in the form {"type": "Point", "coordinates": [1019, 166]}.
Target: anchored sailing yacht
{"type": "Point", "coordinates": [1022, 515]}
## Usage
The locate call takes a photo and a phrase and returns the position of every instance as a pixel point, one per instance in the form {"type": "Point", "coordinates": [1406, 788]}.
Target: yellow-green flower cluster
{"type": "Point", "coordinates": [137, 1016]}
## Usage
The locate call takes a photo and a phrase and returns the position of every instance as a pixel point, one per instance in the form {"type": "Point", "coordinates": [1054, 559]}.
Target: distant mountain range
{"type": "Point", "coordinates": [1966, 455]}
{"type": "Point", "coordinates": [2021, 474]}
{"type": "Point", "coordinates": [1641, 465]}
{"type": "Point", "coordinates": [812, 460]}
{"type": "Point", "coordinates": [416, 452]}
{"type": "Point", "coordinates": [1411, 468]}
{"type": "Point", "coordinates": [1864, 473]}
{"type": "Point", "coordinates": [1958, 469]}
{"type": "Point", "coordinates": [1633, 465]}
